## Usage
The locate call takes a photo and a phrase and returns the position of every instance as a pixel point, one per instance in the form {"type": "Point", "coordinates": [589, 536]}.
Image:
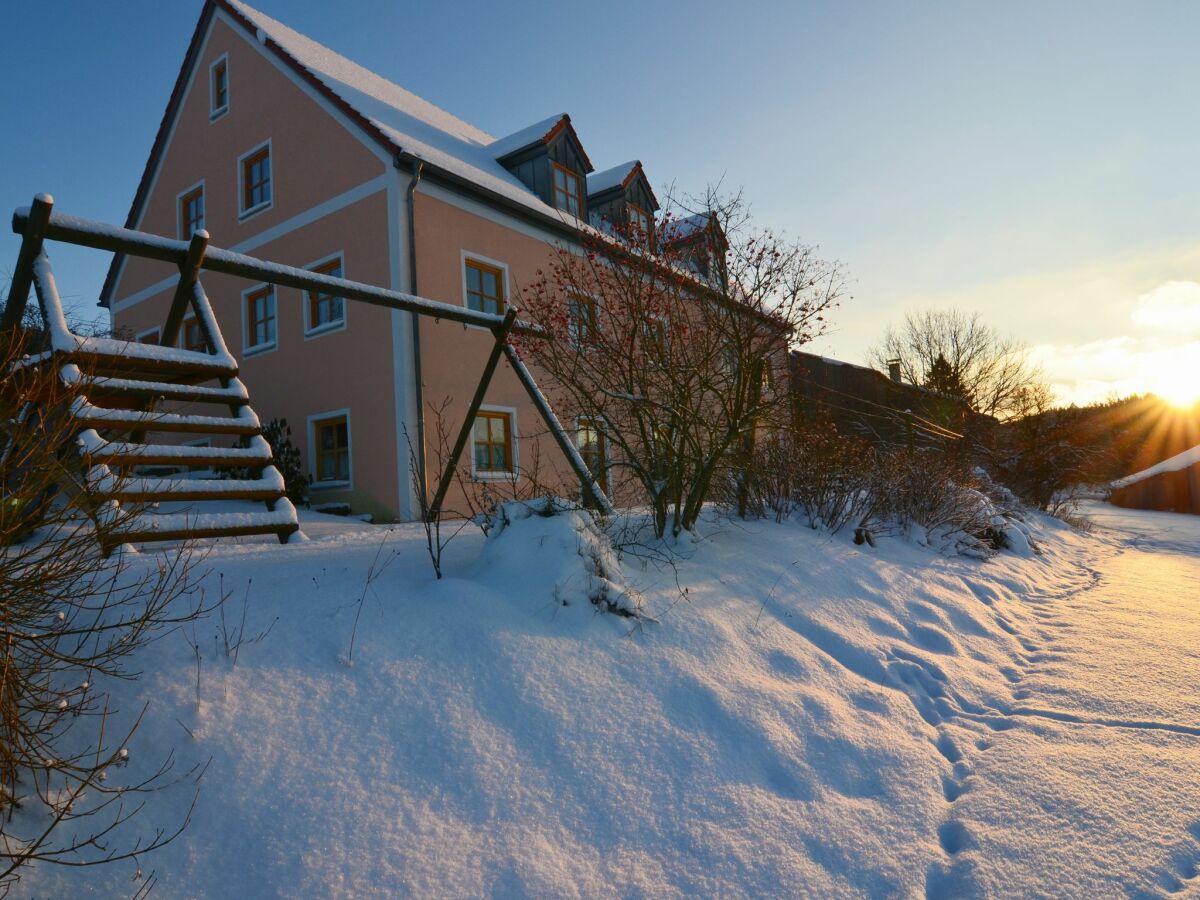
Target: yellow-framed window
{"type": "Point", "coordinates": [568, 189]}
{"type": "Point", "coordinates": [593, 447]}
{"type": "Point", "coordinates": [332, 453]}
{"type": "Point", "coordinates": [641, 226]}
{"type": "Point", "coordinates": [493, 445]}
{"type": "Point", "coordinates": [192, 335]}
{"type": "Point", "coordinates": [485, 287]}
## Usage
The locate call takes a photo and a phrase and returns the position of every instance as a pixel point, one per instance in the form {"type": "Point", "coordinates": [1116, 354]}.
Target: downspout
{"type": "Point", "coordinates": [416, 165]}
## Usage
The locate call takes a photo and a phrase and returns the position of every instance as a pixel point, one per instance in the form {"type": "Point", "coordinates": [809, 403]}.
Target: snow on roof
{"type": "Point", "coordinates": [678, 229]}
{"type": "Point", "coordinates": [1176, 463]}
{"type": "Point", "coordinates": [519, 140]}
{"type": "Point", "coordinates": [409, 122]}
{"type": "Point", "coordinates": [599, 182]}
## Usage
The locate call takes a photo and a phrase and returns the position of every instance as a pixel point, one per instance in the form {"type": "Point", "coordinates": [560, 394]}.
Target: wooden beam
{"type": "Point", "coordinates": [464, 433]}
{"type": "Point", "coordinates": [570, 451]}
{"type": "Point", "coordinates": [189, 271]}
{"type": "Point", "coordinates": [84, 232]}
{"type": "Point", "coordinates": [33, 229]}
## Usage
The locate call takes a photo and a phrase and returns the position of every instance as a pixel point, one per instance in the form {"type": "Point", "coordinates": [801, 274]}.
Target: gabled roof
{"type": "Point", "coordinates": [542, 133]}
{"type": "Point", "coordinates": [399, 121]}
{"type": "Point", "coordinates": [620, 177]}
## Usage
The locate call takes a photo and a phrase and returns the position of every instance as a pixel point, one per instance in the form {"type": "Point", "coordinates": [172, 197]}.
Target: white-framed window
{"type": "Point", "coordinates": [485, 284]}
{"type": "Point", "coordinates": [149, 336]}
{"type": "Point", "coordinates": [330, 453]}
{"type": "Point", "coordinates": [218, 87]}
{"type": "Point", "coordinates": [256, 181]}
{"type": "Point", "coordinates": [494, 443]}
{"type": "Point", "coordinates": [325, 312]}
{"type": "Point", "coordinates": [258, 319]}
{"type": "Point", "coordinates": [189, 211]}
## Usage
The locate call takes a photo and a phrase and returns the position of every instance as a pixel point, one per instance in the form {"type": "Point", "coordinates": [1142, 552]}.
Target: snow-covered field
{"type": "Point", "coordinates": [811, 719]}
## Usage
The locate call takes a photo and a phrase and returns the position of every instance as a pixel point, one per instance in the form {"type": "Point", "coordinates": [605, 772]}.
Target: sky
{"type": "Point", "coordinates": [1034, 162]}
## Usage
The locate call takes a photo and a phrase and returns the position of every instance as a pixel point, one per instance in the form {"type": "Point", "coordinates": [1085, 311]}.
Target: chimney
{"type": "Point", "coordinates": [894, 371]}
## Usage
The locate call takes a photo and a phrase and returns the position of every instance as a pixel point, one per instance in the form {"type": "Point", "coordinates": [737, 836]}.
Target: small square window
{"type": "Point", "coordinates": [326, 310]}
{"type": "Point", "coordinates": [191, 213]}
{"type": "Point", "coordinates": [331, 454]}
{"type": "Point", "coordinates": [567, 190]}
{"type": "Point", "coordinates": [260, 318]}
{"type": "Point", "coordinates": [218, 92]}
{"type": "Point", "coordinates": [485, 287]}
{"type": "Point", "coordinates": [492, 437]}
{"type": "Point", "coordinates": [256, 180]}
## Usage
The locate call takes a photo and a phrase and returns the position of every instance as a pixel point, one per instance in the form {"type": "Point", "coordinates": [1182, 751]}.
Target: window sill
{"type": "Point", "coordinates": [329, 485]}
{"type": "Point", "coordinates": [254, 211]}
{"type": "Point", "coordinates": [323, 330]}
{"type": "Point", "coordinates": [495, 476]}
{"type": "Point", "coordinates": [259, 349]}
{"type": "Point", "coordinates": [218, 114]}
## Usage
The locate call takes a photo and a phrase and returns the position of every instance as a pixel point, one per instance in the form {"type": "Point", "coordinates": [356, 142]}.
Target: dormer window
{"type": "Point", "coordinates": [568, 195]}
{"type": "Point", "coordinates": [640, 224]}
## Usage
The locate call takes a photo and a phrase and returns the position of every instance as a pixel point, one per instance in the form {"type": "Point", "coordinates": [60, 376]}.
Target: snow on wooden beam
{"type": "Point", "coordinates": [88, 233]}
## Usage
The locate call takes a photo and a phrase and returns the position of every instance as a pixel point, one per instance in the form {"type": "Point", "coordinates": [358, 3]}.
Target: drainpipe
{"type": "Point", "coordinates": [416, 166]}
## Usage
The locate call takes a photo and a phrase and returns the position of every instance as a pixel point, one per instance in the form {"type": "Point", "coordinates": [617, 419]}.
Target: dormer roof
{"type": "Point", "coordinates": [539, 134]}
{"type": "Point", "coordinates": [621, 177]}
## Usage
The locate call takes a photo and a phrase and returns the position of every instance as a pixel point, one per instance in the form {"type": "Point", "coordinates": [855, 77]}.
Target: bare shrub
{"type": "Point", "coordinates": [69, 617]}
{"type": "Point", "coordinates": [675, 343]}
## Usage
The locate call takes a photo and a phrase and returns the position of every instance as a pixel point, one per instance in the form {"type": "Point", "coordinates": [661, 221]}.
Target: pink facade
{"type": "Point", "coordinates": [334, 193]}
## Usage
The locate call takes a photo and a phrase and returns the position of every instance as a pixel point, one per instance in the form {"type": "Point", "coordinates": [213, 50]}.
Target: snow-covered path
{"type": "Point", "coordinates": [1089, 785]}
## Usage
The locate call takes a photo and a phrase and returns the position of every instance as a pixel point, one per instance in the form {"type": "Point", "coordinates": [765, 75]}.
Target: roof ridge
{"type": "Point", "coordinates": [335, 65]}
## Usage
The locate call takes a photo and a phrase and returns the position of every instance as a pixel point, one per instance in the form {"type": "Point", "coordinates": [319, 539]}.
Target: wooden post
{"type": "Point", "coordinates": [464, 433]}
{"type": "Point", "coordinates": [570, 451]}
{"type": "Point", "coordinates": [31, 248]}
{"type": "Point", "coordinates": [189, 271]}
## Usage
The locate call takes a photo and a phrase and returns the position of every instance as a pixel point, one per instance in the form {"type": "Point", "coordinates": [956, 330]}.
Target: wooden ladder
{"type": "Point", "coordinates": [124, 393]}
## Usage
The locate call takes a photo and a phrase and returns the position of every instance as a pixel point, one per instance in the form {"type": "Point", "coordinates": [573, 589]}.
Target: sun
{"type": "Point", "coordinates": [1174, 376]}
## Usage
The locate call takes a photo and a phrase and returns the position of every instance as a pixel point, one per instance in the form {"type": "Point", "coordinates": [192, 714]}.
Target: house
{"type": "Point", "coordinates": [285, 150]}
{"type": "Point", "coordinates": [883, 409]}
{"type": "Point", "coordinates": [1172, 485]}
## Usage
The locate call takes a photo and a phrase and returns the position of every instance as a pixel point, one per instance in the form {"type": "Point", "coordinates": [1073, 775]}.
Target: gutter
{"type": "Point", "coordinates": [417, 166]}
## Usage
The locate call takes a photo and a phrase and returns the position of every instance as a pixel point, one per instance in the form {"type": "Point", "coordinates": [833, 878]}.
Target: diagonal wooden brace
{"type": "Point", "coordinates": [464, 433]}
{"type": "Point", "coordinates": [586, 477]}
{"type": "Point", "coordinates": [189, 271]}
{"type": "Point", "coordinates": [31, 248]}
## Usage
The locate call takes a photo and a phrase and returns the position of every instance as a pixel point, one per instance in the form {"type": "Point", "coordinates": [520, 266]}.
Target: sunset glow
{"type": "Point", "coordinates": [1174, 375]}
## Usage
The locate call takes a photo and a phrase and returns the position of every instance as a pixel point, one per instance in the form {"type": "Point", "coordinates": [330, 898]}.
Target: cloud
{"type": "Point", "coordinates": [1173, 307]}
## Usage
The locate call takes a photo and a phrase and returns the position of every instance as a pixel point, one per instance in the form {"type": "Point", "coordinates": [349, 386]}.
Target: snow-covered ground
{"type": "Point", "coordinates": [811, 719]}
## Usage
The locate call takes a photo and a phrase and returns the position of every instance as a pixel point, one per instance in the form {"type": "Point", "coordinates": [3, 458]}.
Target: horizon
{"type": "Point", "coordinates": [1024, 164]}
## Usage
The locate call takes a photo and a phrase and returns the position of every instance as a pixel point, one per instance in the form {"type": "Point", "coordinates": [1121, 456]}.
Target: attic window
{"type": "Point", "coordinates": [640, 224]}
{"type": "Point", "coordinates": [218, 88]}
{"type": "Point", "coordinates": [567, 193]}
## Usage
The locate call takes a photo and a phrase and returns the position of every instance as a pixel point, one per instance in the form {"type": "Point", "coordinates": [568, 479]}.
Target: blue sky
{"type": "Point", "coordinates": [1033, 161]}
